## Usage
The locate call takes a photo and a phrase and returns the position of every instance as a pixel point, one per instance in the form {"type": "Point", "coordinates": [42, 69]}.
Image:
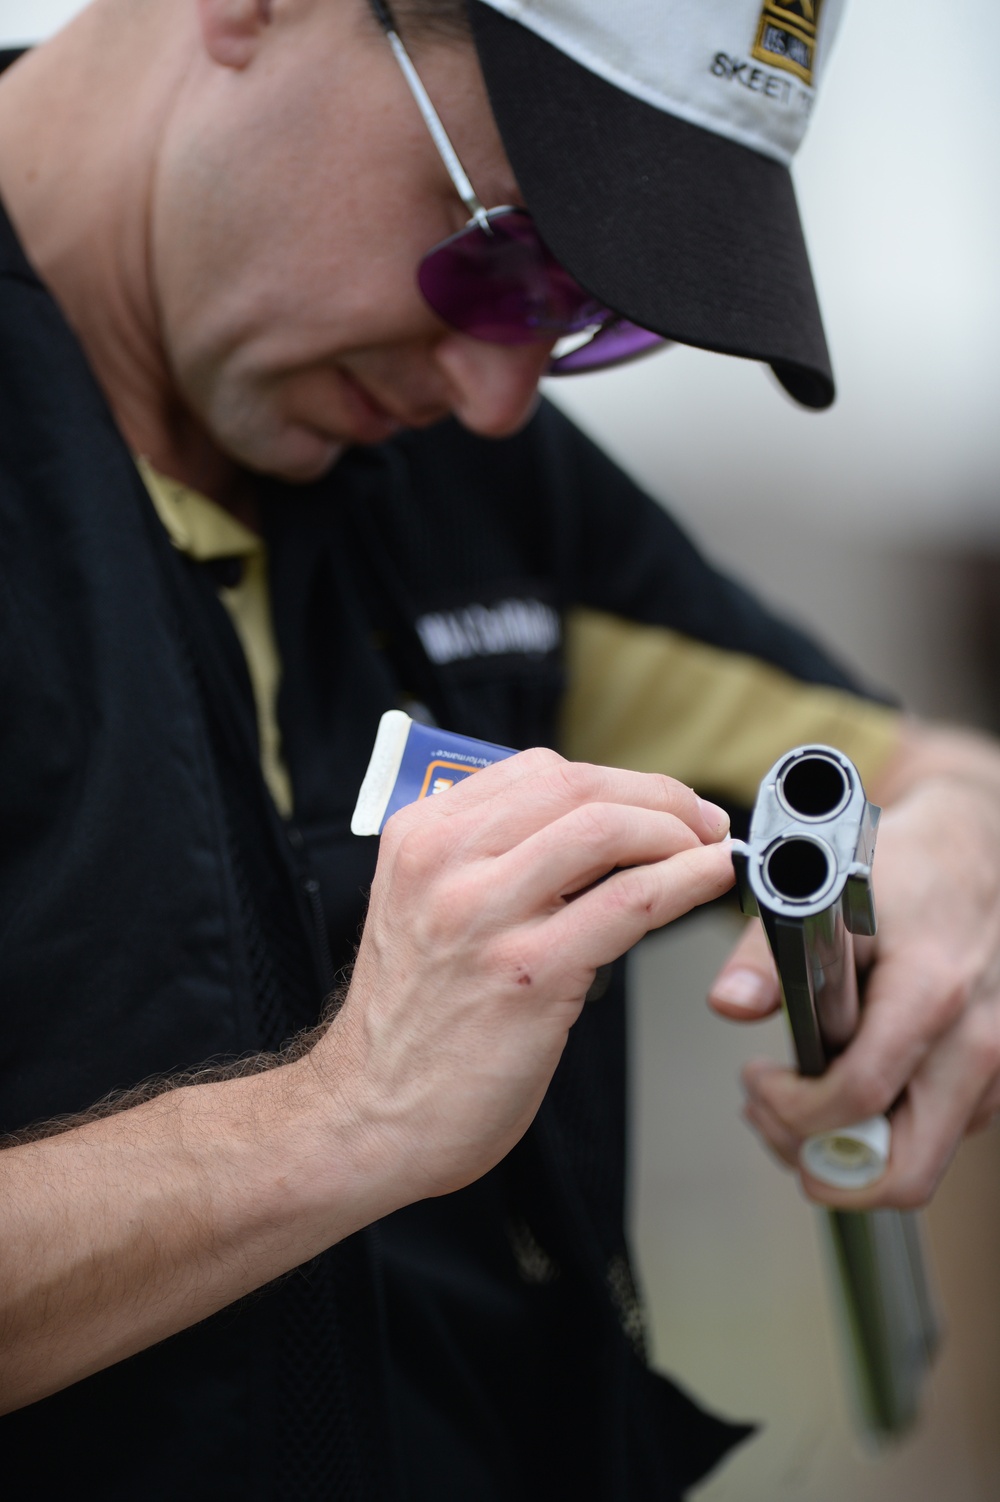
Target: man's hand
{"type": "Point", "coordinates": [488, 919]}
{"type": "Point", "coordinates": [929, 1042]}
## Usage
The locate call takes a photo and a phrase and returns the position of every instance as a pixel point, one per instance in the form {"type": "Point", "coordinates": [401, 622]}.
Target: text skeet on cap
{"type": "Point", "coordinates": [652, 141]}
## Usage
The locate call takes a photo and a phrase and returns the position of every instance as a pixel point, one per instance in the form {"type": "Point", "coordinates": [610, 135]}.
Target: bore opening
{"type": "Point", "coordinates": [814, 787]}
{"type": "Point", "coordinates": [797, 870]}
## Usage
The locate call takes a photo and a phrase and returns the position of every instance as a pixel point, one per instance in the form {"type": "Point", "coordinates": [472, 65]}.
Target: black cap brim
{"type": "Point", "coordinates": [681, 230]}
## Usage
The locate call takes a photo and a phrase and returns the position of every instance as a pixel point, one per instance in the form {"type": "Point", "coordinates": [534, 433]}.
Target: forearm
{"type": "Point", "coordinates": [125, 1230]}
{"type": "Point", "coordinates": [486, 926]}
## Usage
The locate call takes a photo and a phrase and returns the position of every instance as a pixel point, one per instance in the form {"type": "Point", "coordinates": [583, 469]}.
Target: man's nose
{"type": "Point", "coordinates": [492, 388]}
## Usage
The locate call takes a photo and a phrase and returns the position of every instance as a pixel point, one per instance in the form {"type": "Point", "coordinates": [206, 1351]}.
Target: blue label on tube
{"type": "Point", "coordinates": [433, 761]}
{"type": "Point", "coordinates": [410, 761]}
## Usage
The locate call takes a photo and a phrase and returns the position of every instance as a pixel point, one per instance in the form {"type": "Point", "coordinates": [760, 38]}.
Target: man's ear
{"type": "Point", "coordinates": [232, 29]}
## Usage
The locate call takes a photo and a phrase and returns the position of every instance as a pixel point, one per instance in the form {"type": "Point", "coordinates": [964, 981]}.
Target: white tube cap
{"type": "Point", "coordinates": [851, 1157]}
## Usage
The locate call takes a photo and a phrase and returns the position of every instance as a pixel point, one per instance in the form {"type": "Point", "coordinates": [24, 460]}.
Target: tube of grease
{"type": "Point", "coordinates": [411, 761]}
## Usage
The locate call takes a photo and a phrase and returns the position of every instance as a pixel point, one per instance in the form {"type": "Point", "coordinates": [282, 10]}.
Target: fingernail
{"type": "Point", "coordinates": [714, 816]}
{"type": "Point", "coordinates": [741, 988]}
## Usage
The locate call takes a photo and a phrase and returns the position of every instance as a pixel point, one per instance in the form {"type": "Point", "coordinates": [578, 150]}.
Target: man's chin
{"type": "Point", "coordinates": [307, 470]}
{"type": "Point", "coordinates": [298, 456]}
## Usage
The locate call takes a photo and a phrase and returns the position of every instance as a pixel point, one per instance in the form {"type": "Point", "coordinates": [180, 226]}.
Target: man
{"type": "Point", "coordinates": [217, 210]}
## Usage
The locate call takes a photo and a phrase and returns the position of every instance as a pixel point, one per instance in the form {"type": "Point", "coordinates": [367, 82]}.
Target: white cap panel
{"type": "Point", "coordinates": [744, 69]}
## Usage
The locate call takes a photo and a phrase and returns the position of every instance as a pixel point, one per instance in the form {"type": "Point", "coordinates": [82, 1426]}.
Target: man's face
{"type": "Point", "coordinates": [294, 201]}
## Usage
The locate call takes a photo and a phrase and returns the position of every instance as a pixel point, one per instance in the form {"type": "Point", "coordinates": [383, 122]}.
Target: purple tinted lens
{"type": "Point", "coordinates": [613, 344]}
{"type": "Point", "coordinates": [501, 283]}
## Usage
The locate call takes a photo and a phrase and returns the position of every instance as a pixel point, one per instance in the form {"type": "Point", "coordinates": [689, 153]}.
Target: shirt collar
{"type": "Point", "coordinates": [195, 524]}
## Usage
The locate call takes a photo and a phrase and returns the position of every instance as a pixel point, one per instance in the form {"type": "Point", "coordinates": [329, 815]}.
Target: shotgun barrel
{"type": "Point", "coordinates": [806, 872]}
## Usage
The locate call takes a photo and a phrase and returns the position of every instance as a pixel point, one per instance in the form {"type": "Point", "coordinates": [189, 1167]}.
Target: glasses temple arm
{"type": "Point", "coordinates": [430, 116]}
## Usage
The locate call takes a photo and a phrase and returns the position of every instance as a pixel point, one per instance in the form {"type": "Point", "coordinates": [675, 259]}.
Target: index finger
{"type": "Point", "coordinates": [746, 988]}
{"type": "Point", "coordinates": [506, 803]}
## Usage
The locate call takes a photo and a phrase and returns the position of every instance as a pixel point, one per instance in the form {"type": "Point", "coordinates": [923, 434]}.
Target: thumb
{"type": "Point", "coordinates": [746, 988]}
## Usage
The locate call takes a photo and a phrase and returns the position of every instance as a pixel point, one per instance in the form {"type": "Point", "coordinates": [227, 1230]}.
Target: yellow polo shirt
{"type": "Point", "coordinates": [638, 696]}
{"type": "Point", "coordinates": [204, 530]}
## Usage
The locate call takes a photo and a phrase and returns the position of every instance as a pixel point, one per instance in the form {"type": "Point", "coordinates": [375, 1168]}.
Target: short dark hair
{"type": "Point", "coordinates": [443, 20]}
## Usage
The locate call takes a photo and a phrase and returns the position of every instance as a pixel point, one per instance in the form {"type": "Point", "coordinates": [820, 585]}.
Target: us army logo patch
{"type": "Point", "coordinates": [786, 36]}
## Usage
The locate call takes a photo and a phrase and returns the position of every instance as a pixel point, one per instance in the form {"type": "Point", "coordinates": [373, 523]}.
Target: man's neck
{"type": "Point", "coordinates": [86, 229]}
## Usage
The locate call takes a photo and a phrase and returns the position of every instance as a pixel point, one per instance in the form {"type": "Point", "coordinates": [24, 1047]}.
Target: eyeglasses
{"type": "Point", "coordinates": [497, 280]}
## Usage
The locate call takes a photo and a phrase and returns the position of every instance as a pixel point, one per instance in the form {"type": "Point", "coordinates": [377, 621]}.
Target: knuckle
{"type": "Point", "coordinates": [419, 851]}
{"type": "Point", "coordinates": [955, 996]}
{"type": "Point", "coordinates": [415, 849]}
{"type": "Point", "coordinates": [948, 988]}
{"type": "Point", "coordinates": [595, 823]}
{"type": "Point", "coordinates": [982, 1038]}
{"type": "Point", "coordinates": [543, 762]}
{"type": "Point", "coordinates": [869, 1089]}
{"type": "Point", "coordinates": [564, 783]}
{"type": "Point", "coordinates": [634, 892]}
{"type": "Point", "coordinates": [671, 792]}
{"type": "Point", "coordinates": [397, 826]}
{"type": "Point", "coordinates": [913, 1188]}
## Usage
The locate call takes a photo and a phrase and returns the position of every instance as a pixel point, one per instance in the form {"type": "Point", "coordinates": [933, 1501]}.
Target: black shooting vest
{"type": "Point", "coordinates": [155, 912]}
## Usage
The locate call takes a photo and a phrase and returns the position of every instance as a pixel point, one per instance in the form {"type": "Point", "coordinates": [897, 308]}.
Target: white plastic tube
{"type": "Point", "coordinates": [851, 1157]}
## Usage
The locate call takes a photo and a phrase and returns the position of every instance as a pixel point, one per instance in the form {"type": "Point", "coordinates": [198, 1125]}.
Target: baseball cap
{"type": "Point", "coordinates": [652, 141]}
